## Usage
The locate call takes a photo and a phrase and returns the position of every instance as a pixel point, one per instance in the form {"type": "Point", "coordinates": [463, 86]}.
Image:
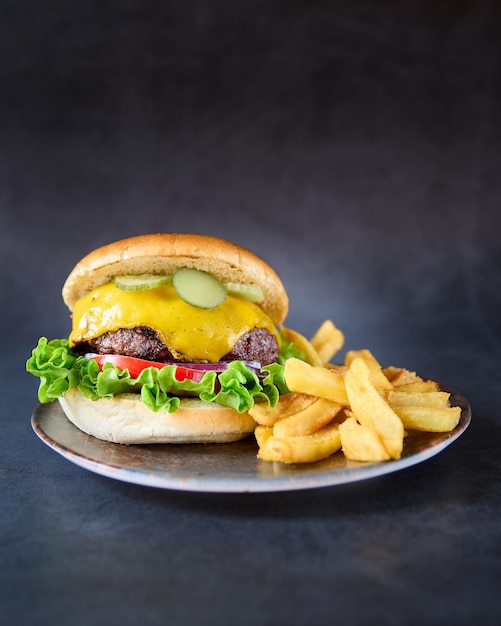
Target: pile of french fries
{"type": "Point", "coordinates": [358, 407]}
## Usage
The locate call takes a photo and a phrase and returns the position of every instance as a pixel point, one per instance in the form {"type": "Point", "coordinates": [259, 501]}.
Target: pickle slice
{"type": "Point", "coordinates": [253, 293]}
{"type": "Point", "coordinates": [198, 288]}
{"type": "Point", "coordinates": [141, 282]}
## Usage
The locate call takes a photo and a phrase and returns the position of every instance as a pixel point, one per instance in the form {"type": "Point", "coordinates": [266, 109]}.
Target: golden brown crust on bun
{"type": "Point", "coordinates": [163, 253]}
{"type": "Point", "coordinates": [126, 419]}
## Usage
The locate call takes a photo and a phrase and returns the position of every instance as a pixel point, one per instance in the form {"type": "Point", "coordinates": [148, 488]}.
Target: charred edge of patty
{"type": "Point", "coordinates": [143, 343]}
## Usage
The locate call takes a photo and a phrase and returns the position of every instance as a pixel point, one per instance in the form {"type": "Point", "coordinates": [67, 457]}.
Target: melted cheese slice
{"type": "Point", "coordinates": [199, 334]}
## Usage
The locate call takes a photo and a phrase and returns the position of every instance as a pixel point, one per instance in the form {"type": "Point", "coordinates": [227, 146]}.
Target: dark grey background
{"type": "Point", "coordinates": [356, 147]}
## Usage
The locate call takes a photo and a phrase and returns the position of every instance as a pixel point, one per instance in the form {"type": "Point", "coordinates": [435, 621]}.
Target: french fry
{"type": "Point", "coordinates": [361, 443]}
{"type": "Point", "coordinates": [421, 386]}
{"type": "Point", "coordinates": [400, 376]}
{"type": "Point", "coordinates": [371, 410]}
{"type": "Point", "coordinates": [435, 399]}
{"type": "Point", "coordinates": [327, 341]}
{"type": "Point", "coordinates": [430, 419]}
{"type": "Point", "coordinates": [317, 381]}
{"type": "Point", "coordinates": [376, 373]}
{"type": "Point", "coordinates": [303, 345]}
{"type": "Point", "coordinates": [307, 449]}
{"type": "Point", "coordinates": [338, 369]}
{"type": "Point", "coordinates": [262, 434]}
{"type": "Point", "coordinates": [288, 404]}
{"type": "Point", "coordinates": [307, 421]}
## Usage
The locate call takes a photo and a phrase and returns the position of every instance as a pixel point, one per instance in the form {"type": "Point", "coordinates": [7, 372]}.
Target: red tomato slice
{"type": "Point", "coordinates": [185, 373]}
{"type": "Point", "coordinates": [136, 366]}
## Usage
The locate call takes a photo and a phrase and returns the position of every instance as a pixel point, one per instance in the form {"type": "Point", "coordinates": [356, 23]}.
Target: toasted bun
{"type": "Point", "coordinates": [164, 253]}
{"type": "Point", "coordinates": [125, 419]}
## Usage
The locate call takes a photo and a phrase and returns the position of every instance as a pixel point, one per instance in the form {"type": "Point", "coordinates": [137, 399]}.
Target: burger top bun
{"type": "Point", "coordinates": [163, 253]}
{"type": "Point", "coordinates": [125, 419]}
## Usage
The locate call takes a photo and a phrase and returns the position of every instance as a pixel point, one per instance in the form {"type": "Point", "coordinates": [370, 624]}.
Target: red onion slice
{"type": "Point", "coordinates": [219, 366]}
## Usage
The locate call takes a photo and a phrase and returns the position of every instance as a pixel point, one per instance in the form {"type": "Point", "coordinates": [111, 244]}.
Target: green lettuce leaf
{"type": "Point", "coordinates": [60, 369]}
{"type": "Point", "coordinates": [288, 350]}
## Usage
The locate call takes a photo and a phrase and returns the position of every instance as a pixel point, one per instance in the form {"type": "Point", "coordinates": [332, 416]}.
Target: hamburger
{"type": "Point", "coordinates": [174, 337]}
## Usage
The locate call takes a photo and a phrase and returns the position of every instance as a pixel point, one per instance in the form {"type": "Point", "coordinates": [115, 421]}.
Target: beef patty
{"type": "Point", "coordinates": [143, 343]}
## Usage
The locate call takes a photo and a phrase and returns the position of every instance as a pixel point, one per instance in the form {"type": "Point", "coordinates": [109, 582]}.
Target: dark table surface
{"type": "Point", "coordinates": [356, 146]}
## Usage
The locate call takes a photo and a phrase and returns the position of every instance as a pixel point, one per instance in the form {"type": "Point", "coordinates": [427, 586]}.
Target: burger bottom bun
{"type": "Point", "coordinates": [126, 419]}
